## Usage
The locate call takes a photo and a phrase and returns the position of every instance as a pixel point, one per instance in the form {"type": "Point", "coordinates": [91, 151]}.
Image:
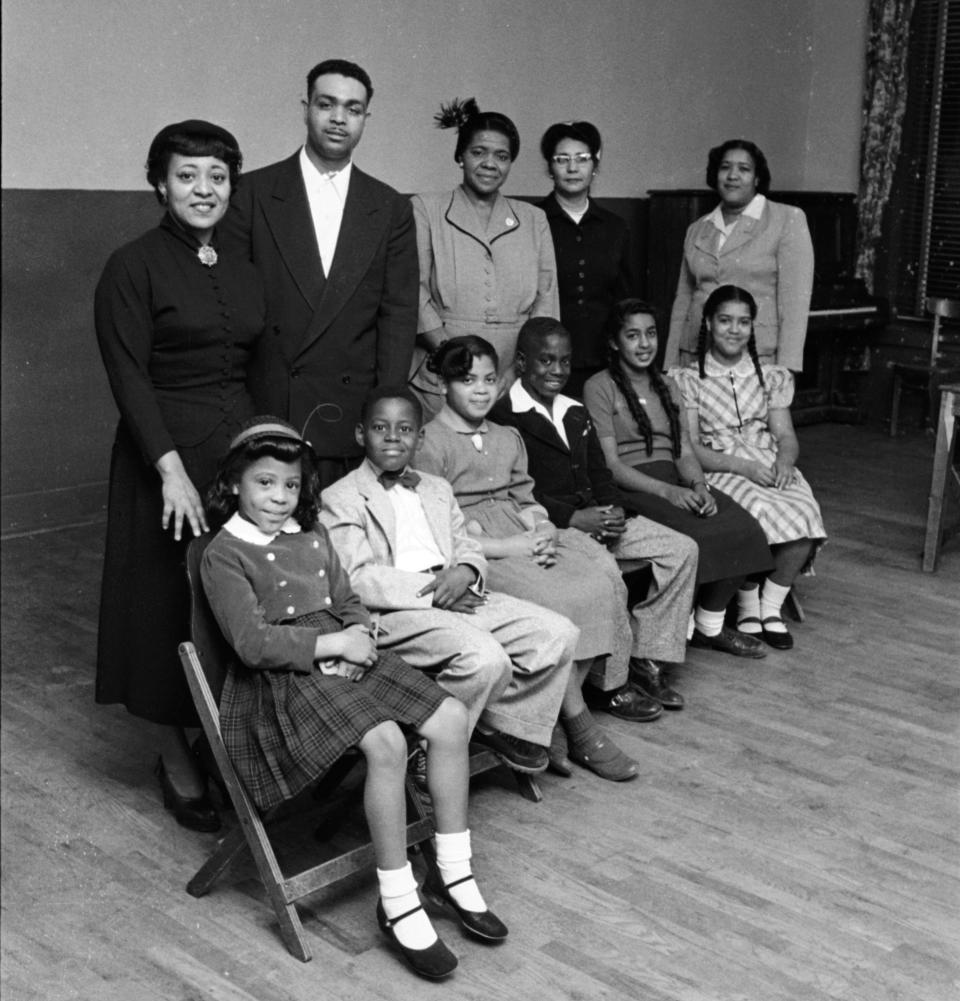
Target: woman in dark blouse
{"type": "Point", "coordinates": [176, 322]}
{"type": "Point", "coordinates": [592, 246]}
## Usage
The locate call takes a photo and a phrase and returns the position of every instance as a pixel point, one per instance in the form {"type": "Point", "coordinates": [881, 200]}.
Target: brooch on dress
{"type": "Point", "coordinates": [207, 255]}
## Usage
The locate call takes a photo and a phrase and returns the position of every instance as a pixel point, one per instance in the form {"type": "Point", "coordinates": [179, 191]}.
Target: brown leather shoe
{"type": "Point", "coordinates": [730, 641]}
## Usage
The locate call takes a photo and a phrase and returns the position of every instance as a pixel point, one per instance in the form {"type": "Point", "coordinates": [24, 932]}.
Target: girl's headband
{"type": "Point", "coordinates": [272, 428]}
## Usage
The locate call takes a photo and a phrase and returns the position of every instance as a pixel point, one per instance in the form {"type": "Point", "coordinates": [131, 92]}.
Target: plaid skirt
{"type": "Point", "coordinates": [284, 729]}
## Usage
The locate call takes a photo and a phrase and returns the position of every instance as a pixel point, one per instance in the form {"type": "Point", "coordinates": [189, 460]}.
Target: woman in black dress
{"type": "Point", "coordinates": [592, 246]}
{"type": "Point", "coordinates": [176, 323]}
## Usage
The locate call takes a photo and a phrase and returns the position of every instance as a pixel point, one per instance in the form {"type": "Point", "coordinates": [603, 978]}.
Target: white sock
{"type": "Point", "coordinates": [709, 623]}
{"type": "Point", "coordinates": [398, 893]}
{"type": "Point", "coordinates": [748, 607]}
{"type": "Point", "coordinates": [453, 861]}
{"type": "Point", "coordinates": [771, 601]}
{"type": "Point", "coordinates": [691, 625]}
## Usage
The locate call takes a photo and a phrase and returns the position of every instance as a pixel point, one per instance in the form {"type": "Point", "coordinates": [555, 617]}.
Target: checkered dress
{"type": "Point", "coordinates": [283, 729]}
{"type": "Point", "coordinates": [733, 408]}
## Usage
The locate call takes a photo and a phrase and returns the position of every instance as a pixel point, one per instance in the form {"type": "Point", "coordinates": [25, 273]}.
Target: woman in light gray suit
{"type": "Point", "coordinates": [752, 242]}
{"type": "Point", "coordinates": [486, 262]}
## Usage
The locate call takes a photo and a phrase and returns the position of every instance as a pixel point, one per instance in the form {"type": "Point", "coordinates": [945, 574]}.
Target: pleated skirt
{"type": "Point", "coordinates": [284, 729]}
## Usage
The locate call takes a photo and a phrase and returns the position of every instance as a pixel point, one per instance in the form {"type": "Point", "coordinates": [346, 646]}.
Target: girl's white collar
{"type": "Point", "coordinates": [246, 531]}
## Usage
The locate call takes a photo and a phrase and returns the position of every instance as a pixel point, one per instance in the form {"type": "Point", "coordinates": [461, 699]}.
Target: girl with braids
{"type": "Point", "coordinates": [647, 448]}
{"type": "Point", "coordinates": [738, 413]}
{"type": "Point", "coordinates": [486, 261]}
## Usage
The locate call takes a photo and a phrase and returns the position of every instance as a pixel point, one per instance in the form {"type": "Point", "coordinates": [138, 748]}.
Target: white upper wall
{"type": "Point", "coordinates": [87, 85]}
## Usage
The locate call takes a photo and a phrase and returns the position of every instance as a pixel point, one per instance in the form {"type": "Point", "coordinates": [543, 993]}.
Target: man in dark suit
{"type": "Point", "coordinates": [337, 253]}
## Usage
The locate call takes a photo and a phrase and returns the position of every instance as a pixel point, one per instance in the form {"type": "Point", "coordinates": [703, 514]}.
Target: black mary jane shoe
{"type": "Point", "coordinates": [435, 962]}
{"type": "Point", "coordinates": [779, 640]}
{"type": "Point", "coordinates": [196, 813]}
{"type": "Point", "coordinates": [484, 925]}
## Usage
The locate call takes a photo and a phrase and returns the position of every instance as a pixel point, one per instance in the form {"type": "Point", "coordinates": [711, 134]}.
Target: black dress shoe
{"type": "Point", "coordinates": [208, 764]}
{"type": "Point", "coordinates": [483, 924]}
{"type": "Point", "coordinates": [730, 641]}
{"type": "Point", "coordinates": [513, 751]}
{"type": "Point", "coordinates": [197, 813]}
{"type": "Point", "coordinates": [648, 676]}
{"type": "Point", "coordinates": [779, 640]}
{"type": "Point", "coordinates": [435, 962]}
{"type": "Point", "coordinates": [626, 702]}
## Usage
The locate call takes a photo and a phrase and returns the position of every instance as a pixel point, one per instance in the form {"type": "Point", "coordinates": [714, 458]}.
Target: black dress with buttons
{"type": "Point", "coordinates": [177, 338]}
{"type": "Point", "coordinates": [593, 272]}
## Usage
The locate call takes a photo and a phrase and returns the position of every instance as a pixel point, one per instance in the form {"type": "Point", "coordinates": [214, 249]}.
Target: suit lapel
{"type": "Point", "coordinates": [746, 229]}
{"type": "Point", "coordinates": [537, 426]}
{"type": "Point", "coordinates": [705, 237]}
{"type": "Point", "coordinates": [287, 213]}
{"type": "Point", "coordinates": [360, 234]}
{"type": "Point", "coordinates": [435, 508]}
{"type": "Point", "coordinates": [378, 506]}
{"type": "Point", "coordinates": [463, 216]}
{"type": "Point", "coordinates": [575, 422]}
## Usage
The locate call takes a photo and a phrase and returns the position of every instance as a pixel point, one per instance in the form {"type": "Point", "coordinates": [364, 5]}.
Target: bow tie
{"type": "Point", "coordinates": [408, 478]}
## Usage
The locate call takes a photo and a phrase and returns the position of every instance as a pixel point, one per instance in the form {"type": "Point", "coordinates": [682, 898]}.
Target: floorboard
{"type": "Point", "coordinates": [794, 835]}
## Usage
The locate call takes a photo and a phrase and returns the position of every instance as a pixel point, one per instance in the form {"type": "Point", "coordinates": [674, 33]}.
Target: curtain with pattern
{"type": "Point", "coordinates": [884, 99]}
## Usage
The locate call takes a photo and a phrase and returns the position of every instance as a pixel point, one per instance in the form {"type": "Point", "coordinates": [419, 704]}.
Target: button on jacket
{"type": "Point", "coordinates": [593, 272]}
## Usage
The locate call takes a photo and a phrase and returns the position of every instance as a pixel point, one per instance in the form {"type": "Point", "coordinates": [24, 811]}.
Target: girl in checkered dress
{"type": "Point", "coordinates": [739, 417]}
{"type": "Point", "coordinates": [310, 684]}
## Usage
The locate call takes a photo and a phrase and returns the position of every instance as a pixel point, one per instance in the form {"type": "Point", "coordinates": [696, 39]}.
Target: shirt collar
{"type": "Point", "coordinates": [456, 423]}
{"type": "Point", "coordinates": [743, 367]}
{"type": "Point", "coordinates": [522, 401]}
{"type": "Point", "coordinates": [339, 180]}
{"type": "Point", "coordinates": [753, 210]}
{"type": "Point", "coordinates": [246, 531]}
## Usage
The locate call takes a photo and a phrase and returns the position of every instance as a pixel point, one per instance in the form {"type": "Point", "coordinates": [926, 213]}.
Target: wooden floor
{"type": "Point", "coordinates": [794, 834]}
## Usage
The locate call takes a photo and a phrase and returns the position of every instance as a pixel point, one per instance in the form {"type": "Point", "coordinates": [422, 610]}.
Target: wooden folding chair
{"type": "Point", "coordinates": [926, 377]}
{"type": "Point", "coordinates": [206, 660]}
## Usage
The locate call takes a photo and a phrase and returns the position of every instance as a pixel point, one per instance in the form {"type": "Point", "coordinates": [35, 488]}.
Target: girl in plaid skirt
{"type": "Point", "coordinates": [310, 684]}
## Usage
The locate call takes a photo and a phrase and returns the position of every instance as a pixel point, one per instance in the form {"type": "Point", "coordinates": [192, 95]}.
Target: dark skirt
{"type": "Point", "coordinates": [144, 601]}
{"type": "Point", "coordinates": [284, 729]}
{"type": "Point", "coordinates": [732, 543]}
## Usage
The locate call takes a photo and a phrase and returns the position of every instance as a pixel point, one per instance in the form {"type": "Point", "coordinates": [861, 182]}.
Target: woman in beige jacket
{"type": "Point", "coordinates": [486, 261]}
{"type": "Point", "coordinates": [754, 243]}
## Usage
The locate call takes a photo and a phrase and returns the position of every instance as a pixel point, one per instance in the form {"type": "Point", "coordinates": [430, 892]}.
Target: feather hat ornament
{"type": "Point", "coordinates": [457, 113]}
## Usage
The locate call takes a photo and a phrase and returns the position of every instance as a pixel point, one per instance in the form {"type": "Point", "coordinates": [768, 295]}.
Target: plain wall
{"type": "Point", "coordinates": [86, 86]}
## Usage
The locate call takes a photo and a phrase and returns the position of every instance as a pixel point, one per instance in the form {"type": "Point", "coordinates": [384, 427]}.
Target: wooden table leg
{"type": "Point", "coordinates": [942, 459]}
